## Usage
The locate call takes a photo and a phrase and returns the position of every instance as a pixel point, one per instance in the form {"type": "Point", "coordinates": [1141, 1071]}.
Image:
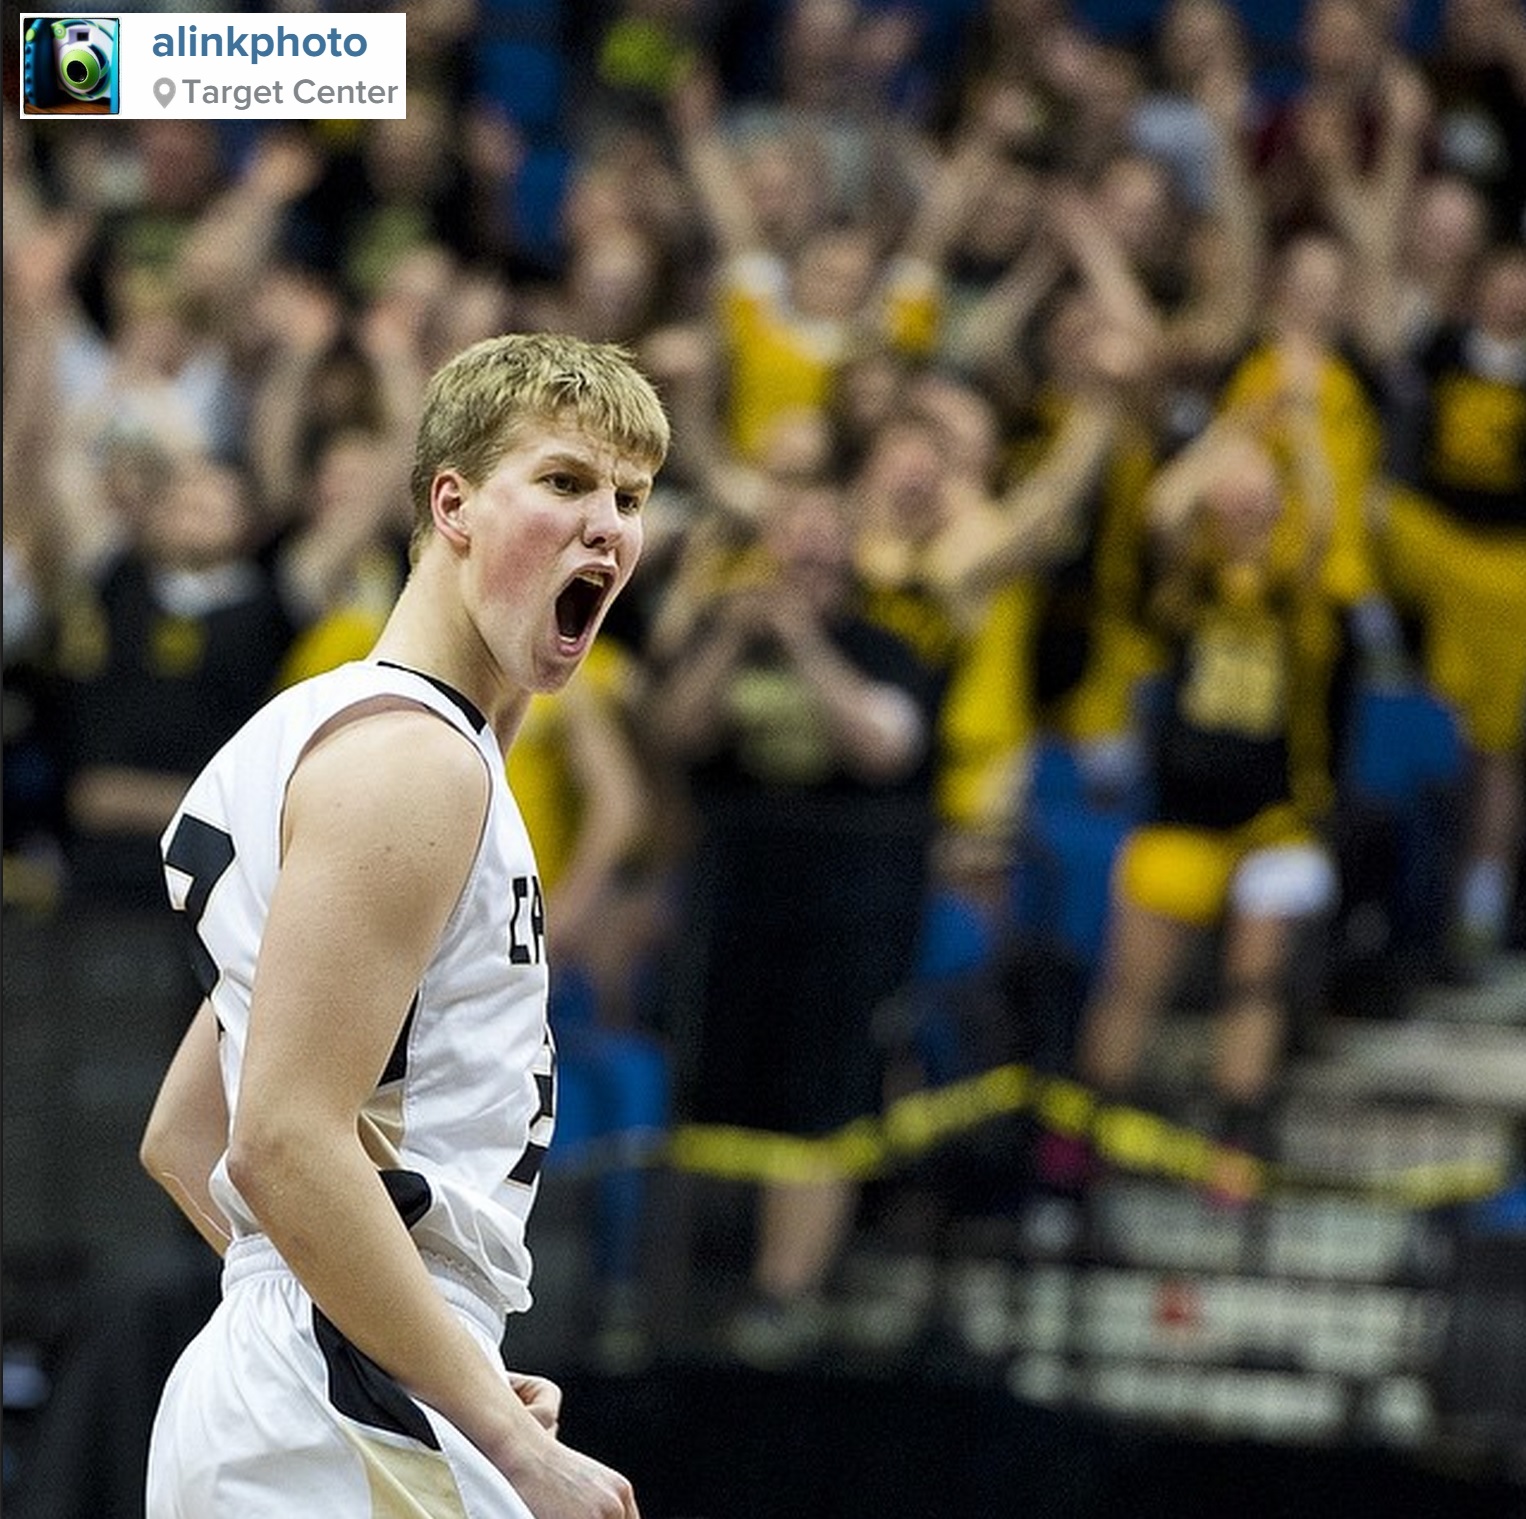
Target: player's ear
{"type": "Point", "coordinates": [447, 505]}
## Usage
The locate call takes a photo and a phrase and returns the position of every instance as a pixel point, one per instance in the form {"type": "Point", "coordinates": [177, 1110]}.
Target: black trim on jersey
{"type": "Point", "coordinates": [472, 712]}
{"type": "Point", "coordinates": [545, 1090]}
{"type": "Point", "coordinates": [362, 1391]}
{"type": "Point", "coordinates": [409, 1192]}
{"type": "Point", "coordinates": [529, 1164]}
{"type": "Point", "coordinates": [397, 1062]}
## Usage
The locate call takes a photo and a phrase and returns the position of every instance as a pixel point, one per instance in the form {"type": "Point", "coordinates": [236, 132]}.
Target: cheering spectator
{"type": "Point", "coordinates": [807, 735]}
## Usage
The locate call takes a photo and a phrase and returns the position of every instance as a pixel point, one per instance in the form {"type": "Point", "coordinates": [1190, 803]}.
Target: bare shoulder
{"type": "Point", "coordinates": [388, 783]}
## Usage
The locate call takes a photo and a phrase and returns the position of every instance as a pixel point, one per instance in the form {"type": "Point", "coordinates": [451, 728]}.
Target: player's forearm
{"type": "Point", "coordinates": [190, 1194]}
{"type": "Point", "coordinates": [319, 1198]}
{"type": "Point", "coordinates": [187, 1129]}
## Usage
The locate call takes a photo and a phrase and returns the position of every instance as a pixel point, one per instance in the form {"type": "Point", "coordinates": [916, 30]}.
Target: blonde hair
{"type": "Point", "coordinates": [477, 402]}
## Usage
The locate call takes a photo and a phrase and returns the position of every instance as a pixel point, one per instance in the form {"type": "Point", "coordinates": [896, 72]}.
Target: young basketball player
{"type": "Point", "coordinates": [357, 1115]}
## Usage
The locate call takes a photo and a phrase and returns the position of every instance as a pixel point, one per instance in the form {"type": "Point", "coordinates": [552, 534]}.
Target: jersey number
{"type": "Point", "coordinates": [203, 853]}
{"type": "Point", "coordinates": [1236, 684]}
{"type": "Point", "coordinates": [528, 1167]}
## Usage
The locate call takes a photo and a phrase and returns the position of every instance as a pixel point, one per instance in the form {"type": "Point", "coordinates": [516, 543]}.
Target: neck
{"type": "Point", "coordinates": [429, 632]}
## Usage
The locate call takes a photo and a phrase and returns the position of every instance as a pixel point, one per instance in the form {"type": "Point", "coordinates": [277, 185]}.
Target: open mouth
{"type": "Point", "coordinates": [579, 603]}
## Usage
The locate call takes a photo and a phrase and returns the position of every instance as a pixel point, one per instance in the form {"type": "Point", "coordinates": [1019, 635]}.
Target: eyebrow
{"type": "Point", "coordinates": [584, 464]}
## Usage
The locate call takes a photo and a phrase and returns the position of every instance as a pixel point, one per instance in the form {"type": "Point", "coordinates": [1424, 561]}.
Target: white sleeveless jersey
{"type": "Point", "coordinates": [462, 1117]}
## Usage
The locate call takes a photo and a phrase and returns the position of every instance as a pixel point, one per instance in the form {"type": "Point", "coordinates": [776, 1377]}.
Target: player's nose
{"type": "Point", "coordinates": [603, 523]}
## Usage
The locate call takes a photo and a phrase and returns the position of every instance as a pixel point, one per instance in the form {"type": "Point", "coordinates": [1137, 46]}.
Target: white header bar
{"type": "Point", "coordinates": [286, 65]}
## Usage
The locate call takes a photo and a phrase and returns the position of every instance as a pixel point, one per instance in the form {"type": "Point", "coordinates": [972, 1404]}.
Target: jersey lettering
{"type": "Point", "coordinates": [1236, 683]}
{"type": "Point", "coordinates": [527, 924]}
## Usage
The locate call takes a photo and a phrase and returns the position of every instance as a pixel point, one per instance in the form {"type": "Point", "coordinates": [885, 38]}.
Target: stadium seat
{"type": "Point", "coordinates": [1404, 741]}
{"type": "Point", "coordinates": [1396, 826]}
{"type": "Point", "coordinates": [1064, 857]}
{"type": "Point", "coordinates": [613, 1109]}
{"type": "Point", "coordinates": [1060, 880]}
{"type": "Point", "coordinates": [525, 80]}
{"type": "Point", "coordinates": [539, 191]}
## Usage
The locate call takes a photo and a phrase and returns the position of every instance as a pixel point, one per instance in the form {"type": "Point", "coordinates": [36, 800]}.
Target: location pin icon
{"type": "Point", "coordinates": [164, 91]}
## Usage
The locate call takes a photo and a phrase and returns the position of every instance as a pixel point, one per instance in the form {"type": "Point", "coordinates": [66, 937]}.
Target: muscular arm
{"type": "Point", "coordinates": [381, 825]}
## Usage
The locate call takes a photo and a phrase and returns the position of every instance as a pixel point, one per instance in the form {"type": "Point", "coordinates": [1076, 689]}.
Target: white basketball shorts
{"type": "Point", "coordinates": [269, 1412]}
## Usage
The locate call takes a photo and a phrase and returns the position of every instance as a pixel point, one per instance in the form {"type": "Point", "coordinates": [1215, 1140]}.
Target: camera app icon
{"type": "Point", "coordinates": [69, 65]}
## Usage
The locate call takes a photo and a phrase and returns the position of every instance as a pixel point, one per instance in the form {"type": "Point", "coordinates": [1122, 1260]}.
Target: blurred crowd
{"type": "Point", "coordinates": [1139, 396]}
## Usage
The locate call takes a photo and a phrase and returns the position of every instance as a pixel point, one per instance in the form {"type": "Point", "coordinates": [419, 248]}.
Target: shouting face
{"type": "Point", "coordinates": [545, 544]}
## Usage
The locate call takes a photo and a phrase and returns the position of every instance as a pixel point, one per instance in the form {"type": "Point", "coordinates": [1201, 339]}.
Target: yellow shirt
{"type": "Point", "coordinates": [1349, 427]}
{"type": "Point", "coordinates": [350, 629]}
{"type": "Point", "coordinates": [540, 769]}
{"type": "Point", "coordinates": [780, 362]}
